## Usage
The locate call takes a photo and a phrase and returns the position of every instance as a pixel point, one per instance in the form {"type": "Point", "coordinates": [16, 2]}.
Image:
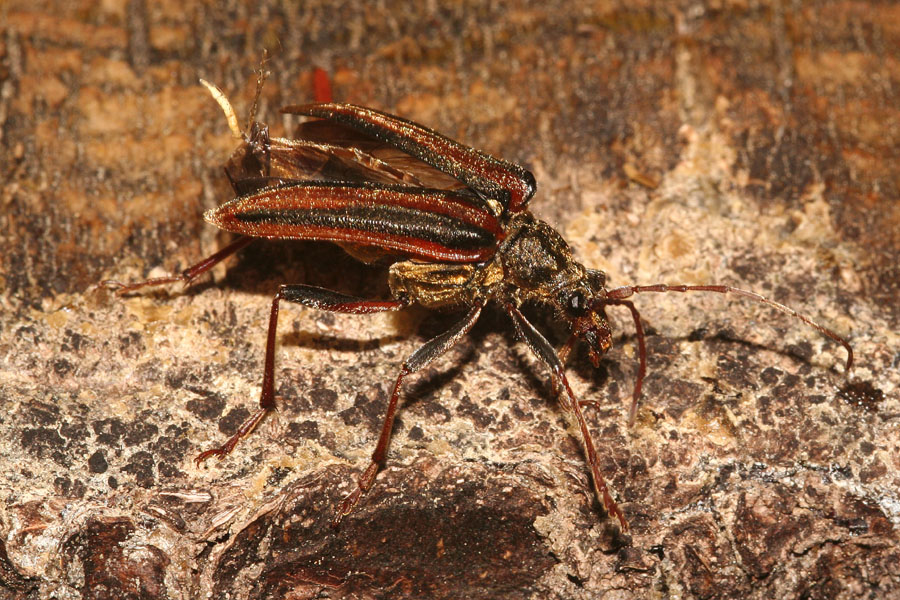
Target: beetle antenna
{"type": "Point", "coordinates": [629, 290]}
{"type": "Point", "coordinates": [261, 75]}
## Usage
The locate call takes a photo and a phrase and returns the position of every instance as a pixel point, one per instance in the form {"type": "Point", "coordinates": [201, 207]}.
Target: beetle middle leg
{"type": "Point", "coordinates": [313, 297]}
{"type": "Point", "coordinates": [418, 360]}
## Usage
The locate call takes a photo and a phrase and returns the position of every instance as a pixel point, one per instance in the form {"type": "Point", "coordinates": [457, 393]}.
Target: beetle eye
{"type": "Point", "coordinates": [575, 303]}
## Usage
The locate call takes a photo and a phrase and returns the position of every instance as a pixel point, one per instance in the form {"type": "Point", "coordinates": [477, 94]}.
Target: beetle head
{"type": "Point", "coordinates": [582, 306]}
{"type": "Point", "coordinates": [538, 265]}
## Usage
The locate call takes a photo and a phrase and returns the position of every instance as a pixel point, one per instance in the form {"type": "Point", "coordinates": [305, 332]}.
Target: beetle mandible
{"type": "Point", "coordinates": [454, 221]}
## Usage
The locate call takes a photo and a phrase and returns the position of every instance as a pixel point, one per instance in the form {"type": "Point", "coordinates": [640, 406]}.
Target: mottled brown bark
{"type": "Point", "coordinates": [751, 144]}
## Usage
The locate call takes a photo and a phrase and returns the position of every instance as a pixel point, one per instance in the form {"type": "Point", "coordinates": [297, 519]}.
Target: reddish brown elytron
{"type": "Point", "coordinates": [454, 222]}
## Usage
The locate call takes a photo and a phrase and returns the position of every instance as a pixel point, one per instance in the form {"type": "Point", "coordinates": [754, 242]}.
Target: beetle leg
{"type": "Point", "coordinates": [419, 359]}
{"type": "Point", "coordinates": [186, 276]}
{"type": "Point", "coordinates": [313, 297]}
{"type": "Point", "coordinates": [545, 352]}
{"type": "Point", "coordinates": [563, 354]}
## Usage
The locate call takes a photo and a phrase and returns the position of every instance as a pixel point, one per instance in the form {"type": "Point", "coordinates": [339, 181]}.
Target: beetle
{"type": "Point", "coordinates": [452, 221]}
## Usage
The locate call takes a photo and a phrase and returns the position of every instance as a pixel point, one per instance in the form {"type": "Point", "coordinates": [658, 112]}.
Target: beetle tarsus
{"type": "Point", "coordinates": [363, 484]}
{"type": "Point", "coordinates": [243, 431]}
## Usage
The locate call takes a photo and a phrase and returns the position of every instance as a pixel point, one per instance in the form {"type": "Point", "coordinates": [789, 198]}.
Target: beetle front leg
{"type": "Point", "coordinates": [545, 352]}
{"type": "Point", "coordinates": [563, 354]}
{"type": "Point", "coordinates": [419, 359]}
{"type": "Point", "coordinates": [313, 297]}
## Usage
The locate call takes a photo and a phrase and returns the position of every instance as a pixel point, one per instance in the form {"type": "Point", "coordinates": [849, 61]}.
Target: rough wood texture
{"type": "Point", "coordinates": [746, 143]}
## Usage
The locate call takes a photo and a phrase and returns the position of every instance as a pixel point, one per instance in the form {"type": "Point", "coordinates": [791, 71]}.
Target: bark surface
{"type": "Point", "coordinates": [753, 144]}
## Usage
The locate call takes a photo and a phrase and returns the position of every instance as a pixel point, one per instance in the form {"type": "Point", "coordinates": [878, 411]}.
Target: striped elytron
{"type": "Point", "coordinates": [454, 221]}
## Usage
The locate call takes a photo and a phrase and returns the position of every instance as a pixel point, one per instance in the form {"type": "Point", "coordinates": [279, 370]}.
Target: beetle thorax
{"type": "Point", "coordinates": [538, 262]}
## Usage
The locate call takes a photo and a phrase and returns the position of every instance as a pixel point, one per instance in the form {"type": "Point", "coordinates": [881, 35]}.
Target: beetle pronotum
{"type": "Point", "coordinates": [454, 221]}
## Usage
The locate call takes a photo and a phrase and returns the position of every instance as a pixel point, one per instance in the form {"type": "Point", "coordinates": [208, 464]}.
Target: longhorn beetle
{"type": "Point", "coordinates": [455, 223]}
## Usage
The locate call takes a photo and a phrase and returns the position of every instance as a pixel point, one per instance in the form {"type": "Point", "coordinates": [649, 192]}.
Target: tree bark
{"type": "Point", "coordinates": [753, 145]}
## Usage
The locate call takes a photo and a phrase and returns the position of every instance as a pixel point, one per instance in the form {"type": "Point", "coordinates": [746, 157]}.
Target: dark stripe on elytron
{"type": "Point", "coordinates": [447, 231]}
{"type": "Point", "coordinates": [465, 196]}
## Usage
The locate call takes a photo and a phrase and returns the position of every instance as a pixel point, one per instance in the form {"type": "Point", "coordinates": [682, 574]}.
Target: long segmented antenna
{"type": "Point", "coordinates": [261, 76]}
{"type": "Point", "coordinates": [617, 296]}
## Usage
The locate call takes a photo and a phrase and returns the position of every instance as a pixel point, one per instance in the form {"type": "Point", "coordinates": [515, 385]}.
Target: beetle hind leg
{"type": "Point", "coordinates": [186, 277]}
{"type": "Point", "coordinates": [313, 297]}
